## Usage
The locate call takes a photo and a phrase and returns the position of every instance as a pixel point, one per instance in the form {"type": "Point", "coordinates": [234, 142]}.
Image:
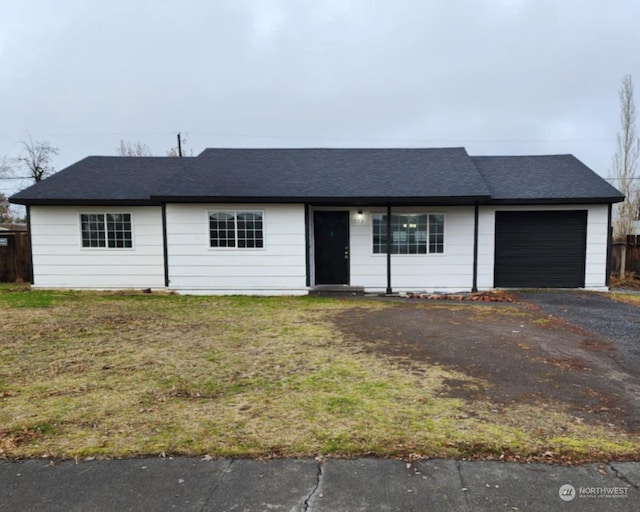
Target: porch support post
{"type": "Point", "coordinates": [609, 246]}
{"type": "Point", "coordinates": [474, 286]}
{"type": "Point", "coordinates": [307, 245]}
{"type": "Point", "coordinates": [29, 231]}
{"type": "Point", "coordinates": [389, 243]}
{"type": "Point", "coordinates": [165, 245]}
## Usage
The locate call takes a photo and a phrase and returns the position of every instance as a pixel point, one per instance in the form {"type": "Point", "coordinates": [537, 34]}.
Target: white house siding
{"type": "Point", "coordinates": [450, 271]}
{"type": "Point", "coordinates": [597, 239]}
{"type": "Point", "coordinates": [195, 267]}
{"type": "Point", "coordinates": [60, 261]}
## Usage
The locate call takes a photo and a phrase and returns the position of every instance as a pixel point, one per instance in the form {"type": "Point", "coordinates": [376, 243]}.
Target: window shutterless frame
{"type": "Point", "coordinates": [236, 229]}
{"type": "Point", "coordinates": [411, 233]}
{"type": "Point", "coordinates": [106, 230]}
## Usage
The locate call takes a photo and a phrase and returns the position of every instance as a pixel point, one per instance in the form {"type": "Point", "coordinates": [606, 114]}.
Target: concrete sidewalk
{"type": "Point", "coordinates": [331, 485]}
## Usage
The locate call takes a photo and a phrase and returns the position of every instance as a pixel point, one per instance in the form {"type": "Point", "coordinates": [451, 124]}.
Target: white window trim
{"type": "Point", "coordinates": [106, 247]}
{"type": "Point", "coordinates": [235, 212]}
{"type": "Point", "coordinates": [427, 254]}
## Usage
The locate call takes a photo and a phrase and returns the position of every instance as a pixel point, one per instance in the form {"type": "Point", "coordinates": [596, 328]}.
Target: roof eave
{"type": "Point", "coordinates": [332, 201]}
{"type": "Point", "coordinates": [319, 200]}
{"type": "Point", "coordinates": [557, 200]}
{"type": "Point", "coordinates": [83, 202]}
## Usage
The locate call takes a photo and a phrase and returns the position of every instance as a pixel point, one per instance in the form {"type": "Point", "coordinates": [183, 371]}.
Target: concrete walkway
{"type": "Point", "coordinates": [331, 485]}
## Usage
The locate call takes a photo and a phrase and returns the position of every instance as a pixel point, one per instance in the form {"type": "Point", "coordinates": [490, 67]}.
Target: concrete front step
{"type": "Point", "coordinates": [336, 290]}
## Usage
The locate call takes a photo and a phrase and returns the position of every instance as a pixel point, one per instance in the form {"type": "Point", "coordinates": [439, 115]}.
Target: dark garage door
{"type": "Point", "coordinates": [540, 249]}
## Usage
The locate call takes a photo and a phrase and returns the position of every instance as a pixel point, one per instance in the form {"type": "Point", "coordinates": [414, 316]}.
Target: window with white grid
{"type": "Point", "coordinates": [420, 233]}
{"type": "Point", "coordinates": [236, 228]}
{"type": "Point", "coordinates": [106, 230]}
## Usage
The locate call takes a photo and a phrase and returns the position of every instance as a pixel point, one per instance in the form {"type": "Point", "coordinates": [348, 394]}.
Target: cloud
{"type": "Point", "coordinates": [510, 76]}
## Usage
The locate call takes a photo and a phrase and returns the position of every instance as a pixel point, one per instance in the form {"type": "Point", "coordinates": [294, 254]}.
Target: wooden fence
{"type": "Point", "coordinates": [632, 260]}
{"type": "Point", "coordinates": [15, 257]}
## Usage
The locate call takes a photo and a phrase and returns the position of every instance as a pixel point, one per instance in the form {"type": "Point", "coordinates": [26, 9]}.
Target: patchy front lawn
{"type": "Point", "coordinates": [105, 374]}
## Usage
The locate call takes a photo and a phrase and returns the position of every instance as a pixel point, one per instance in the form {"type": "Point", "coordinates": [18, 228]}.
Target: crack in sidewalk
{"type": "Point", "coordinates": [464, 488]}
{"type": "Point", "coordinates": [316, 488]}
{"type": "Point", "coordinates": [622, 477]}
{"type": "Point", "coordinates": [216, 484]}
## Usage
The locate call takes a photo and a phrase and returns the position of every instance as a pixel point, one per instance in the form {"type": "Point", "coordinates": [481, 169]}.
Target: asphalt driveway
{"type": "Point", "coordinates": [579, 351]}
{"type": "Point", "coordinates": [611, 320]}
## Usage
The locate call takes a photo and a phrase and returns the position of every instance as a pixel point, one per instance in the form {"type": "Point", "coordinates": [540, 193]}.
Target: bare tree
{"type": "Point", "coordinates": [625, 163]}
{"type": "Point", "coordinates": [128, 148]}
{"type": "Point", "coordinates": [6, 171]}
{"type": "Point", "coordinates": [36, 159]}
{"type": "Point", "coordinates": [5, 216]}
{"type": "Point", "coordinates": [10, 214]}
{"type": "Point", "coordinates": [173, 152]}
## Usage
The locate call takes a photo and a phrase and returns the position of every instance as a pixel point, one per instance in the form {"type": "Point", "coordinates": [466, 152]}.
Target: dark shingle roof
{"type": "Point", "coordinates": [546, 178]}
{"type": "Point", "coordinates": [330, 176]}
{"type": "Point", "coordinates": [105, 179]}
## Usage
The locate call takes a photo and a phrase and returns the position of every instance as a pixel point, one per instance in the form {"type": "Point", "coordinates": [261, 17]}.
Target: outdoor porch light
{"type": "Point", "coordinates": [359, 218]}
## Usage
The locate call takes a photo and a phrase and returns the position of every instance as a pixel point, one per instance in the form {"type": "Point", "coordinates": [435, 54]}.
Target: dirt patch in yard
{"type": "Point", "coordinates": [516, 354]}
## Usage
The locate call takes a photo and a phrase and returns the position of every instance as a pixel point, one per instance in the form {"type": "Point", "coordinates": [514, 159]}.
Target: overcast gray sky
{"type": "Point", "coordinates": [494, 76]}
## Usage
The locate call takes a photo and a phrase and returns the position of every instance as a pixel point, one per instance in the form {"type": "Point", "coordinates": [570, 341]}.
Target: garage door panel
{"type": "Point", "coordinates": [540, 249]}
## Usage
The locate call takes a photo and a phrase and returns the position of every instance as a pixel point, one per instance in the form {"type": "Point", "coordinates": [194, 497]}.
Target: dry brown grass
{"type": "Point", "coordinates": [108, 375]}
{"type": "Point", "coordinates": [630, 281]}
{"type": "Point", "coordinates": [629, 298]}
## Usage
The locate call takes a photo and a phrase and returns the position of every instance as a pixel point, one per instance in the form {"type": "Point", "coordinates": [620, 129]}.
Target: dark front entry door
{"type": "Point", "coordinates": [331, 247]}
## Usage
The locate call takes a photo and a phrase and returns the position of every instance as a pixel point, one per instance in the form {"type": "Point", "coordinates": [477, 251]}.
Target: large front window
{"type": "Point", "coordinates": [230, 228]}
{"type": "Point", "coordinates": [108, 230]}
{"type": "Point", "coordinates": [414, 233]}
